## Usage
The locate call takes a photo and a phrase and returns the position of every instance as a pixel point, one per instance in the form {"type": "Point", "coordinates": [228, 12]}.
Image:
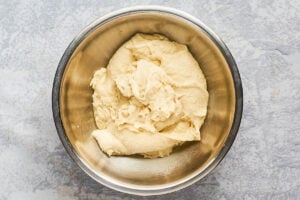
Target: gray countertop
{"type": "Point", "coordinates": [264, 38]}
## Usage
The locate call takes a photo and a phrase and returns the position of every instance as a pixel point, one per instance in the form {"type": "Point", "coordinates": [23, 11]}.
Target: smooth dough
{"type": "Point", "coordinates": [151, 97]}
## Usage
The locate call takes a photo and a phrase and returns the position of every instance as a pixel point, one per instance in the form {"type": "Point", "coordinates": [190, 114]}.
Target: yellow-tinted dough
{"type": "Point", "coordinates": [151, 97]}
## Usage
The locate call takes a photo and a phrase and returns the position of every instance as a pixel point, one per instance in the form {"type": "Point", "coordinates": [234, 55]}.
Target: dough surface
{"type": "Point", "coordinates": [151, 97]}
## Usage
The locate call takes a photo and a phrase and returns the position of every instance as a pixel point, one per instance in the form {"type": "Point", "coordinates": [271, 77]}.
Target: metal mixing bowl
{"type": "Point", "coordinates": [73, 111]}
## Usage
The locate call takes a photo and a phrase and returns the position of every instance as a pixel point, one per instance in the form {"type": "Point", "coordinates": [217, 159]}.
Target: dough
{"type": "Point", "coordinates": [151, 97]}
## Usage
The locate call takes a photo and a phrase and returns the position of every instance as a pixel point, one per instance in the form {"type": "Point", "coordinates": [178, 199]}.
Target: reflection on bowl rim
{"type": "Point", "coordinates": [159, 189]}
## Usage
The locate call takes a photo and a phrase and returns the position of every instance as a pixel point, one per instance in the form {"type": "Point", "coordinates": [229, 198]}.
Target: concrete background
{"type": "Point", "coordinates": [264, 38]}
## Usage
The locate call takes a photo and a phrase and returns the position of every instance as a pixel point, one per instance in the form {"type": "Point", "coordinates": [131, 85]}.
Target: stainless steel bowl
{"type": "Point", "coordinates": [73, 113]}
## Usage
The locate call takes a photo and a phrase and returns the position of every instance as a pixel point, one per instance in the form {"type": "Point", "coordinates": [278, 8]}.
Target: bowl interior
{"type": "Point", "coordinates": [76, 110]}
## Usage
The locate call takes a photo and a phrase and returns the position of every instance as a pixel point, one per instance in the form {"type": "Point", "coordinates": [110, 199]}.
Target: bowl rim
{"type": "Point", "coordinates": [155, 190]}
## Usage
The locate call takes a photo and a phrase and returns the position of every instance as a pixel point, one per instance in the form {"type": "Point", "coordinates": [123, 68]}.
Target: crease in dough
{"type": "Point", "coordinates": [151, 97]}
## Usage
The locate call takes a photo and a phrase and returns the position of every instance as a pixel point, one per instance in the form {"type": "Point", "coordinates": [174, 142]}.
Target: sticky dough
{"type": "Point", "coordinates": [151, 97]}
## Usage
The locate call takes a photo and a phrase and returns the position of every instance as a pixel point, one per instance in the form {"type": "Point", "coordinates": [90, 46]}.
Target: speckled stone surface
{"type": "Point", "coordinates": [264, 38]}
